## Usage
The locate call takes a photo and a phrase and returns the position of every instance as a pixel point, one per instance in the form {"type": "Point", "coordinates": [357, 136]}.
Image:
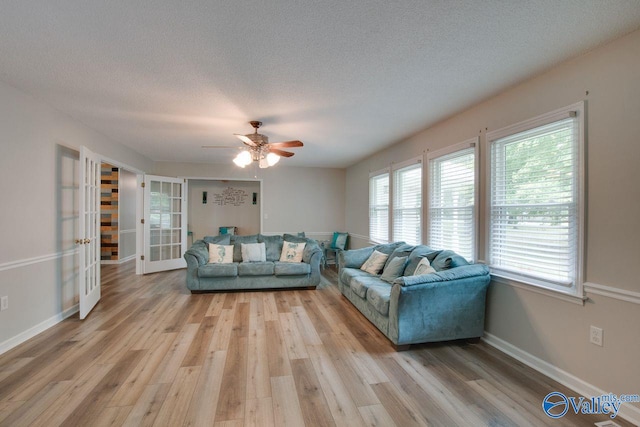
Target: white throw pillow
{"type": "Point", "coordinates": [253, 252]}
{"type": "Point", "coordinates": [375, 263]}
{"type": "Point", "coordinates": [424, 267]}
{"type": "Point", "coordinates": [220, 254]}
{"type": "Point", "coordinates": [292, 252]}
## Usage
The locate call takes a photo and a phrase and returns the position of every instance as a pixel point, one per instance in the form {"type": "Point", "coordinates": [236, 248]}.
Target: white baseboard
{"type": "Point", "coordinates": [627, 411]}
{"type": "Point", "coordinates": [41, 327]}
{"type": "Point", "coordinates": [117, 261]}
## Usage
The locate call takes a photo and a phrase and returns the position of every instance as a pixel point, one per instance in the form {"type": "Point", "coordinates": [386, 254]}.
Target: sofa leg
{"type": "Point", "coordinates": [403, 347]}
{"type": "Point", "coordinates": [473, 340]}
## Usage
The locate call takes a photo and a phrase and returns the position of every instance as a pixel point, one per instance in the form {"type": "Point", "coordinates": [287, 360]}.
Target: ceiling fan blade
{"type": "Point", "coordinates": [286, 144]}
{"type": "Point", "coordinates": [280, 153]}
{"type": "Point", "coordinates": [245, 139]}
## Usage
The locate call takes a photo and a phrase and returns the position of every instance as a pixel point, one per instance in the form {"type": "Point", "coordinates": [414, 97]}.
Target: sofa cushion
{"type": "Point", "coordinates": [224, 239]}
{"type": "Point", "coordinates": [348, 274]}
{"type": "Point", "coordinates": [291, 268]}
{"type": "Point", "coordinates": [295, 239]}
{"type": "Point", "coordinates": [388, 248]}
{"type": "Point", "coordinates": [292, 252]}
{"type": "Point", "coordinates": [253, 252]}
{"type": "Point", "coordinates": [448, 259]}
{"type": "Point", "coordinates": [256, 268]}
{"type": "Point", "coordinates": [416, 255]}
{"type": "Point", "coordinates": [375, 263]}
{"type": "Point", "coordinates": [400, 251]}
{"type": "Point", "coordinates": [218, 270]}
{"type": "Point", "coordinates": [273, 246]}
{"type": "Point", "coordinates": [394, 269]}
{"type": "Point", "coordinates": [424, 267]}
{"type": "Point", "coordinates": [379, 296]}
{"type": "Point", "coordinates": [359, 285]}
{"type": "Point", "coordinates": [220, 254]}
{"type": "Point", "coordinates": [237, 249]}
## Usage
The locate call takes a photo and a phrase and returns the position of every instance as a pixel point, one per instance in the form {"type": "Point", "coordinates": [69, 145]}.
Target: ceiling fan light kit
{"type": "Point", "coordinates": [258, 149]}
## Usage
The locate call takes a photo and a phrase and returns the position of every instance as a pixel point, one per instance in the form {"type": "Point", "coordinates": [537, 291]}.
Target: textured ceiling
{"type": "Point", "coordinates": [346, 77]}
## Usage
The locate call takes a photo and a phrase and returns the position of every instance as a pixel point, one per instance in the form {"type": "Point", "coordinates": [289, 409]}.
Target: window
{"type": "Point", "coordinates": [452, 196]}
{"type": "Point", "coordinates": [535, 207]}
{"type": "Point", "coordinates": [379, 207]}
{"type": "Point", "coordinates": [407, 203]}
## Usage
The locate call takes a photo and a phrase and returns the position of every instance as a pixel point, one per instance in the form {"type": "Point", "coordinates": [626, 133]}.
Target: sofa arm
{"type": "Point", "coordinates": [463, 272]}
{"type": "Point", "coordinates": [354, 258]}
{"type": "Point", "coordinates": [193, 280]}
{"type": "Point", "coordinates": [438, 310]}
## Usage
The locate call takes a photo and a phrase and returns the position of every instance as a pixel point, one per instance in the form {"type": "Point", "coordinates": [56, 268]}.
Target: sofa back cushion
{"type": "Point", "coordinates": [273, 246]}
{"type": "Point", "coordinates": [416, 255]}
{"type": "Point", "coordinates": [199, 250]}
{"type": "Point", "coordinates": [224, 239]}
{"type": "Point", "coordinates": [448, 259]}
{"type": "Point", "coordinates": [401, 251]}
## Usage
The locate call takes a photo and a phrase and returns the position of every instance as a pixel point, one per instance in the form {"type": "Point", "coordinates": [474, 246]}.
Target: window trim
{"type": "Point", "coordinates": [518, 280]}
{"type": "Point", "coordinates": [469, 143]}
{"type": "Point", "coordinates": [392, 185]}
{"type": "Point", "coordinates": [374, 174]}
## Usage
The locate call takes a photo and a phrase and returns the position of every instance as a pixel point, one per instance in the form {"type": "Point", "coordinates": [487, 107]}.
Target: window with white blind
{"type": "Point", "coordinates": [379, 207]}
{"type": "Point", "coordinates": [536, 202]}
{"type": "Point", "coordinates": [407, 203]}
{"type": "Point", "coordinates": [452, 199]}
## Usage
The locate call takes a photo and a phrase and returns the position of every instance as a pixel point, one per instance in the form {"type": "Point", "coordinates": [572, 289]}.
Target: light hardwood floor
{"type": "Point", "coordinates": [153, 354]}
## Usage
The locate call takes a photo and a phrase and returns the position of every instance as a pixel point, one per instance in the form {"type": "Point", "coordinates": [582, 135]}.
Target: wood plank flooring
{"type": "Point", "coordinates": [153, 354]}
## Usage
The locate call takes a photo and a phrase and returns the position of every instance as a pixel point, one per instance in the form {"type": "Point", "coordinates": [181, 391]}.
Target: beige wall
{"type": "Point", "coordinates": [206, 219]}
{"type": "Point", "coordinates": [550, 329]}
{"type": "Point", "coordinates": [39, 164]}
{"type": "Point", "coordinates": [293, 198]}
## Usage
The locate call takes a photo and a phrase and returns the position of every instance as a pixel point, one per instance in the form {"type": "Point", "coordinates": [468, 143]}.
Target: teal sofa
{"type": "Point", "coordinates": [446, 305]}
{"type": "Point", "coordinates": [203, 276]}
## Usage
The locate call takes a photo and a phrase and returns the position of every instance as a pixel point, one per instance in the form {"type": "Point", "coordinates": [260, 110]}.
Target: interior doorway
{"type": "Point", "coordinates": [232, 206]}
{"type": "Point", "coordinates": [118, 203]}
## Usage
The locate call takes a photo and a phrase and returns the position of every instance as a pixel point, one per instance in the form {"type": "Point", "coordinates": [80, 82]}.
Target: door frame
{"type": "Point", "coordinates": [139, 206]}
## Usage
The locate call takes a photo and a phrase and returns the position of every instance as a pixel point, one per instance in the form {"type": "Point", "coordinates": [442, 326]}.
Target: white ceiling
{"type": "Point", "coordinates": [346, 77]}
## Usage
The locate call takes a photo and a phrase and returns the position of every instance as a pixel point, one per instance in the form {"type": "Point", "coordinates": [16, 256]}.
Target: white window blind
{"type": "Point", "coordinates": [452, 188]}
{"type": "Point", "coordinates": [379, 208]}
{"type": "Point", "coordinates": [534, 203]}
{"type": "Point", "coordinates": [407, 204]}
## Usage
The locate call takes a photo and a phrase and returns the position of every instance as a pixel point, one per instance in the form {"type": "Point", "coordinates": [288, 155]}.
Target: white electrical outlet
{"type": "Point", "coordinates": [596, 335]}
{"type": "Point", "coordinates": [4, 303]}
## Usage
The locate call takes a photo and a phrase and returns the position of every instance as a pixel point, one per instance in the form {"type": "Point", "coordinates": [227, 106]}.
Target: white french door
{"type": "Point", "coordinates": [165, 228]}
{"type": "Point", "coordinates": [89, 231]}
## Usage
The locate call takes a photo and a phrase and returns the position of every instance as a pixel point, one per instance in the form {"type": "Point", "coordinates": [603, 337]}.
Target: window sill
{"type": "Point", "coordinates": [554, 293]}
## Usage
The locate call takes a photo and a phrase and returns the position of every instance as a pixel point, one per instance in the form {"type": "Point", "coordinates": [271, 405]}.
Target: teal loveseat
{"type": "Point", "coordinates": [447, 304]}
{"type": "Point", "coordinates": [271, 274]}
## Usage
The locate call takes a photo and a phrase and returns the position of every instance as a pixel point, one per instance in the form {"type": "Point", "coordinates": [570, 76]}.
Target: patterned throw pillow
{"type": "Point", "coordinates": [292, 252]}
{"type": "Point", "coordinates": [220, 254]}
{"type": "Point", "coordinates": [424, 267]}
{"type": "Point", "coordinates": [375, 263]}
{"type": "Point", "coordinates": [253, 252]}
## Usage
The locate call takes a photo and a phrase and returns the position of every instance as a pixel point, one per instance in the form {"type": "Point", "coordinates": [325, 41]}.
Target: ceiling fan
{"type": "Point", "coordinates": [258, 148]}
